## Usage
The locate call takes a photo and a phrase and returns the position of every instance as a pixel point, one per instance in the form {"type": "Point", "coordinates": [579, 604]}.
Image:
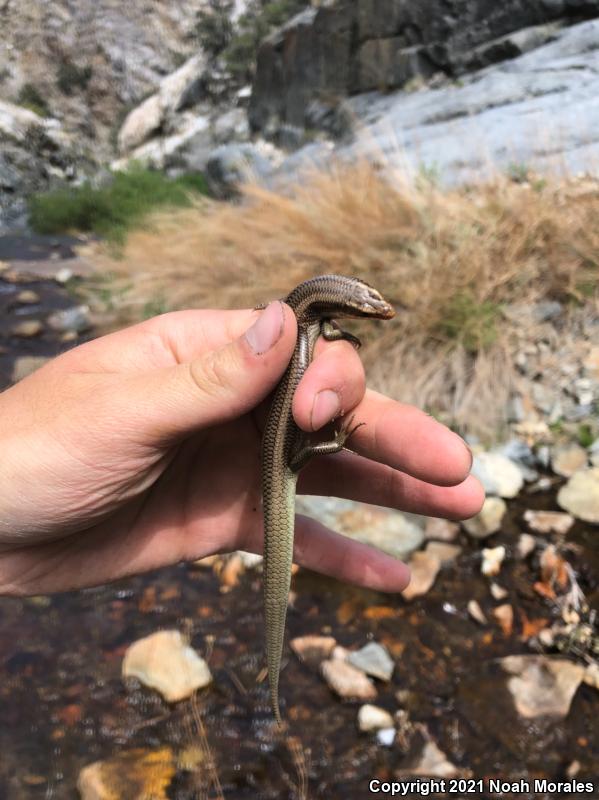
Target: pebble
{"type": "Point", "coordinates": [165, 662]}
{"type": "Point", "coordinates": [131, 773]}
{"type": "Point", "coordinates": [591, 675]}
{"type": "Point", "coordinates": [548, 521]}
{"type": "Point", "coordinates": [28, 328]}
{"type": "Point", "coordinates": [75, 319]}
{"type": "Point", "coordinates": [526, 545]}
{"type": "Point", "coordinates": [373, 718]}
{"type": "Point", "coordinates": [499, 475]}
{"type": "Point", "coordinates": [488, 520]}
{"type": "Point", "coordinates": [424, 568]}
{"type": "Point", "coordinates": [498, 592]}
{"type": "Point", "coordinates": [492, 560]}
{"type": "Point", "coordinates": [504, 615]}
{"type": "Point", "coordinates": [446, 553]}
{"type": "Point", "coordinates": [313, 649]}
{"type": "Point", "coordinates": [580, 495]}
{"type": "Point", "coordinates": [568, 460]}
{"type": "Point", "coordinates": [391, 531]}
{"type": "Point", "coordinates": [432, 763]}
{"type": "Point", "coordinates": [25, 365]}
{"type": "Point", "coordinates": [64, 275]}
{"type": "Point", "coordinates": [347, 681]}
{"type": "Point", "coordinates": [27, 297]}
{"type": "Point", "coordinates": [385, 736]}
{"type": "Point", "coordinates": [373, 659]}
{"type": "Point", "coordinates": [476, 612]}
{"type": "Point", "coordinates": [441, 529]}
{"type": "Point", "coordinates": [541, 685]}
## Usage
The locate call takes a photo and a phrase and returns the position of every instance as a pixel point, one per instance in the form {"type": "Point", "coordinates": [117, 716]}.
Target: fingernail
{"type": "Point", "coordinates": [326, 407]}
{"type": "Point", "coordinates": [466, 447]}
{"type": "Point", "coordinates": [267, 329]}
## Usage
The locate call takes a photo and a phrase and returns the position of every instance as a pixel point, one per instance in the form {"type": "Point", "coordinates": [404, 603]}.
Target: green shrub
{"type": "Point", "coordinates": [71, 77]}
{"type": "Point", "coordinates": [469, 321]}
{"type": "Point", "coordinates": [214, 28]}
{"type": "Point", "coordinates": [29, 97]}
{"type": "Point", "coordinates": [111, 210]}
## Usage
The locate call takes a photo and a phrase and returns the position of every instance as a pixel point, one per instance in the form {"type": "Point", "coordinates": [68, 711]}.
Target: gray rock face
{"type": "Point", "coordinates": [354, 47]}
{"type": "Point", "coordinates": [539, 111]}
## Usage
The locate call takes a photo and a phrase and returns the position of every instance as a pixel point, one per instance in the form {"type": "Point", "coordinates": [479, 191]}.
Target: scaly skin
{"type": "Point", "coordinates": [285, 449]}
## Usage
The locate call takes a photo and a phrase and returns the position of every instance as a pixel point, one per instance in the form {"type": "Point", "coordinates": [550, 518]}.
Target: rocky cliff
{"type": "Point", "coordinates": [354, 46]}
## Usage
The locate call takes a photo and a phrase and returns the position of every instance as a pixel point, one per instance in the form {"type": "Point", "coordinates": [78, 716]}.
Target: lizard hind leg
{"type": "Point", "coordinates": [307, 451]}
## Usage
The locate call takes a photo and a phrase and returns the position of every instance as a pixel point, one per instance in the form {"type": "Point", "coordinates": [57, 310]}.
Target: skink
{"type": "Point", "coordinates": [286, 449]}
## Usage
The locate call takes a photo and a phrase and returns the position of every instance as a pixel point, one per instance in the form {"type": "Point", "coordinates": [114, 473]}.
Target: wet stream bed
{"type": "Point", "coordinates": [64, 704]}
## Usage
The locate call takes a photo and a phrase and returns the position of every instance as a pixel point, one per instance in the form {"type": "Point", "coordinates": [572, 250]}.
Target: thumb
{"type": "Point", "coordinates": [221, 384]}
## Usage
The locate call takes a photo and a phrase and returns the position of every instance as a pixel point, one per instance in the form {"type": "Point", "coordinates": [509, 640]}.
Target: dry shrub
{"type": "Point", "coordinates": [452, 260]}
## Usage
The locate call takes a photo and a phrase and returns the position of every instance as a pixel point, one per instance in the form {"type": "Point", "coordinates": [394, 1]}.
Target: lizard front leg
{"type": "Point", "coordinates": [306, 451]}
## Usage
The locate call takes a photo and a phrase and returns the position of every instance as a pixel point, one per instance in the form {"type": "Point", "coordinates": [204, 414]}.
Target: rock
{"type": "Point", "coordinates": [424, 568]}
{"type": "Point", "coordinates": [488, 520]}
{"type": "Point", "coordinates": [231, 126]}
{"type": "Point", "coordinates": [432, 763]}
{"type": "Point", "coordinates": [347, 681]}
{"type": "Point", "coordinates": [498, 592]}
{"type": "Point", "coordinates": [74, 319]}
{"type": "Point", "coordinates": [165, 662]}
{"type": "Point", "coordinates": [492, 560]}
{"type": "Point", "coordinates": [313, 650]}
{"type": "Point", "coordinates": [476, 612]}
{"type": "Point", "coordinates": [25, 365]}
{"type": "Point", "coordinates": [230, 165]}
{"type": "Point", "coordinates": [177, 91]}
{"type": "Point", "coordinates": [504, 615]}
{"type": "Point", "coordinates": [396, 533]}
{"type": "Point", "coordinates": [385, 736]}
{"type": "Point", "coordinates": [526, 545]}
{"type": "Point", "coordinates": [136, 773]}
{"type": "Point", "coordinates": [498, 474]}
{"type": "Point", "coordinates": [580, 495]}
{"type": "Point", "coordinates": [373, 659]}
{"type": "Point", "coordinates": [568, 460]}
{"type": "Point", "coordinates": [446, 553]}
{"type": "Point", "coordinates": [28, 328]}
{"type": "Point", "coordinates": [548, 521]}
{"type": "Point", "coordinates": [591, 674]}
{"type": "Point", "coordinates": [373, 718]}
{"type": "Point", "coordinates": [27, 297]}
{"type": "Point", "coordinates": [441, 529]}
{"type": "Point", "coordinates": [542, 686]}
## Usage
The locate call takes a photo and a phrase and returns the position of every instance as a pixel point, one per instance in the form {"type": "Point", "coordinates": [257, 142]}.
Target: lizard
{"type": "Point", "coordinates": [286, 449]}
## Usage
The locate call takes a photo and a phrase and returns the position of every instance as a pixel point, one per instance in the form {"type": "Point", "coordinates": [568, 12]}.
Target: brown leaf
{"type": "Point", "coordinates": [531, 627]}
{"type": "Point", "coordinates": [379, 612]}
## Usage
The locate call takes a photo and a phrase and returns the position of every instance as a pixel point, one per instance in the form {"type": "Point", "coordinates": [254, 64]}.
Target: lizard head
{"type": "Point", "coordinates": [365, 301]}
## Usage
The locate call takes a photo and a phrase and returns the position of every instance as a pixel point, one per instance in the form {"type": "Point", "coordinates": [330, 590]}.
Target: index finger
{"type": "Point", "coordinates": [409, 440]}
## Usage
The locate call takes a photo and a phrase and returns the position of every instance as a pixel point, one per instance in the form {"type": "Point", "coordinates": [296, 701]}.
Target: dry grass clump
{"type": "Point", "coordinates": [453, 260]}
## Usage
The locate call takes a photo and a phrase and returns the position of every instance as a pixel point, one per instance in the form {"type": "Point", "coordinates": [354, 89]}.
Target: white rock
{"type": "Point", "coordinates": [347, 681]}
{"type": "Point", "coordinates": [488, 520]}
{"type": "Point", "coordinates": [373, 718]}
{"type": "Point", "coordinates": [498, 592]}
{"type": "Point", "coordinates": [385, 736]}
{"type": "Point", "coordinates": [432, 763]}
{"type": "Point", "coordinates": [373, 659]}
{"type": "Point", "coordinates": [424, 568]}
{"type": "Point", "coordinates": [28, 328]}
{"type": "Point", "coordinates": [446, 553]}
{"type": "Point", "coordinates": [165, 662]}
{"type": "Point", "coordinates": [504, 615]}
{"type": "Point", "coordinates": [526, 545]}
{"type": "Point", "coordinates": [441, 529]}
{"type": "Point", "coordinates": [542, 686]}
{"type": "Point", "coordinates": [498, 474]}
{"type": "Point", "coordinates": [549, 521]}
{"type": "Point", "coordinates": [580, 495]}
{"type": "Point", "coordinates": [566, 461]}
{"type": "Point", "coordinates": [476, 612]}
{"type": "Point", "coordinates": [591, 675]}
{"type": "Point", "coordinates": [492, 560]}
{"type": "Point", "coordinates": [313, 649]}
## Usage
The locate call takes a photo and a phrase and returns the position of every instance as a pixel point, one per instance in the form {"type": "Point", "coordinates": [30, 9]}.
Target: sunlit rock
{"type": "Point", "coordinates": [373, 718]}
{"type": "Point", "coordinates": [580, 496]}
{"type": "Point", "coordinates": [548, 521]}
{"type": "Point", "coordinates": [488, 520]}
{"type": "Point", "coordinates": [373, 659]}
{"type": "Point", "coordinates": [424, 568]}
{"type": "Point", "coordinates": [347, 681]}
{"type": "Point", "coordinates": [542, 686]}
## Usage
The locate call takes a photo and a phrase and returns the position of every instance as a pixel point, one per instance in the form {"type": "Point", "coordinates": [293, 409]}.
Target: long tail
{"type": "Point", "coordinates": [279, 523]}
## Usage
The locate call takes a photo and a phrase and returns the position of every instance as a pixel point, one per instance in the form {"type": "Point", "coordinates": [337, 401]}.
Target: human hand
{"type": "Point", "coordinates": [142, 449]}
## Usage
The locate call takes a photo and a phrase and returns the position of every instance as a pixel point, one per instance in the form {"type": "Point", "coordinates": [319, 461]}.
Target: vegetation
{"type": "Point", "coordinates": [115, 208]}
{"type": "Point", "coordinates": [237, 46]}
{"type": "Point", "coordinates": [30, 97]}
{"type": "Point", "coordinates": [452, 263]}
{"type": "Point", "coordinates": [71, 77]}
